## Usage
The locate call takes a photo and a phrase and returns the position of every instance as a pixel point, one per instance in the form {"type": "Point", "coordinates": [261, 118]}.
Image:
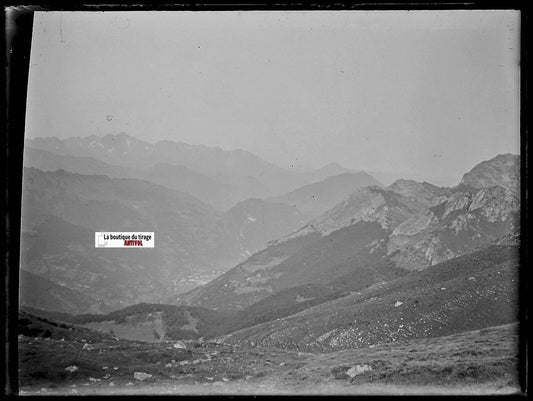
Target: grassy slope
{"type": "Point", "coordinates": [138, 322]}
{"type": "Point", "coordinates": [221, 292]}
{"type": "Point", "coordinates": [38, 291]}
{"type": "Point", "coordinates": [31, 325]}
{"type": "Point", "coordinates": [470, 292]}
{"type": "Point", "coordinates": [347, 259]}
{"type": "Point", "coordinates": [482, 361]}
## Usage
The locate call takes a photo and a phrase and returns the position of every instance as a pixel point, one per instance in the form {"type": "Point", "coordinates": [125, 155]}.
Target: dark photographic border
{"type": "Point", "coordinates": [18, 23]}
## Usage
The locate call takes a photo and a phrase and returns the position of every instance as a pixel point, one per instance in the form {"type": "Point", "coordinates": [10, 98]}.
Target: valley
{"type": "Point", "coordinates": [334, 286]}
{"type": "Point", "coordinates": [470, 292]}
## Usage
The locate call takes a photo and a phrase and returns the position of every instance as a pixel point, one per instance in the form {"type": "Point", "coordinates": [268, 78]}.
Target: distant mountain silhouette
{"type": "Point", "coordinates": [314, 199]}
{"type": "Point", "coordinates": [329, 170]}
{"type": "Point", "coordinates": [222, 165]}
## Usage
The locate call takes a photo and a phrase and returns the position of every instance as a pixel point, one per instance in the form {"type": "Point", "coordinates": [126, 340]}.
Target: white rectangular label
{"type": "Point", "coordinates": [124, 239]}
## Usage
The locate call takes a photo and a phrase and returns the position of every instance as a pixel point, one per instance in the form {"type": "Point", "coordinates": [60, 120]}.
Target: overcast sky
{"type": "Point", "coordinates": [425, 93]}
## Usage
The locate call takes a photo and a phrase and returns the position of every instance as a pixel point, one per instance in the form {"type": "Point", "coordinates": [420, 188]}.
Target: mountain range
{"type": "Point", "coordinates": [374, 235]}
{"type": "Point", "coordinates": [62, 210]}
{"type": "Point", "coordinates": [75, 186]}
{"type": "Point", "coordinates": [469, 292]}
{"type": "Point", "coordinates": [314, 266]}
{"type": "Point", "coordinates": [323, 266]}
{"type": "Point", "coordinates": [220, 178]}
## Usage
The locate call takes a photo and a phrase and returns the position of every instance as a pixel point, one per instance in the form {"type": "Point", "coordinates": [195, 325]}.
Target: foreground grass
{"type": "Point", "coordinates": [265, 387]}
{"type": "Point", "coordinates": [478, 362]}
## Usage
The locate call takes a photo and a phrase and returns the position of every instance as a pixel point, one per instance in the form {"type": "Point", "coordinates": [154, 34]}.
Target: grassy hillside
{"type": "Point", "coordinates": [466, 293]}
{"type": "Point", "coordinates": [148, 322]}
{"type": "Point", "coordinates": [38, 291]}
{"type": "Point", "coordinates": [473, 363]}
{"type": "Point", "coordinates": [31, 325]}
{"type": "Point", "coordinates": [347, 259]}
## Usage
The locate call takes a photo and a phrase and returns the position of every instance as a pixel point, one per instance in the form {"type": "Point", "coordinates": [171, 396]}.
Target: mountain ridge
{"type": "Point", "coordinates": [222, 178]}
{"type": "Point", "coordinates": [419, 225]}
{"type": "Point", "coordinates": [318, 197]}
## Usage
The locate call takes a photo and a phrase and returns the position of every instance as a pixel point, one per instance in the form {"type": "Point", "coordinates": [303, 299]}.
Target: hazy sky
{"type": "Point", "coordinates": [421, 92]}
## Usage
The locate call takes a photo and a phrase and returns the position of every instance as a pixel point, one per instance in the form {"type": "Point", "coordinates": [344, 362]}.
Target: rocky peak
{"type": "Point", "coordinates": [495, 203]}
{"type": "Point", "coordinates": [419, 195]}
{"type": "Point", "coordinates": [414, 188]}
{"type": "Point", "coordinates": [502, 170]}
{"type": "Point", "coordinates": [457, 201]}
{"type": "Point", "coordinates": [367, 204]}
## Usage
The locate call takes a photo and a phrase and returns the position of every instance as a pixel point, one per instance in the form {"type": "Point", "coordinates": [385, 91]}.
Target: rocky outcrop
{"type": "Point", "coordinates": [419, 195]}
{"type": "Point", "coordinates": [408, 225]}
{"type": "Point", "coordinates": [502, 170]}
{"type": "Point", "coordinates": [457, 202]}
{"type": "Point", "coordinates": [370, 204]}
{"type": "Point", "coordinates": [482, 208]}
{"type": "Point", "coordinates": [458, 225]}
{"type": "Point", "coordinates": [495, 203]}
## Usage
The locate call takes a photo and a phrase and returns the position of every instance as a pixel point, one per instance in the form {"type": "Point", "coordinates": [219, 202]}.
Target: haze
{"type": "Point", "coordinates": [425, 94]}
